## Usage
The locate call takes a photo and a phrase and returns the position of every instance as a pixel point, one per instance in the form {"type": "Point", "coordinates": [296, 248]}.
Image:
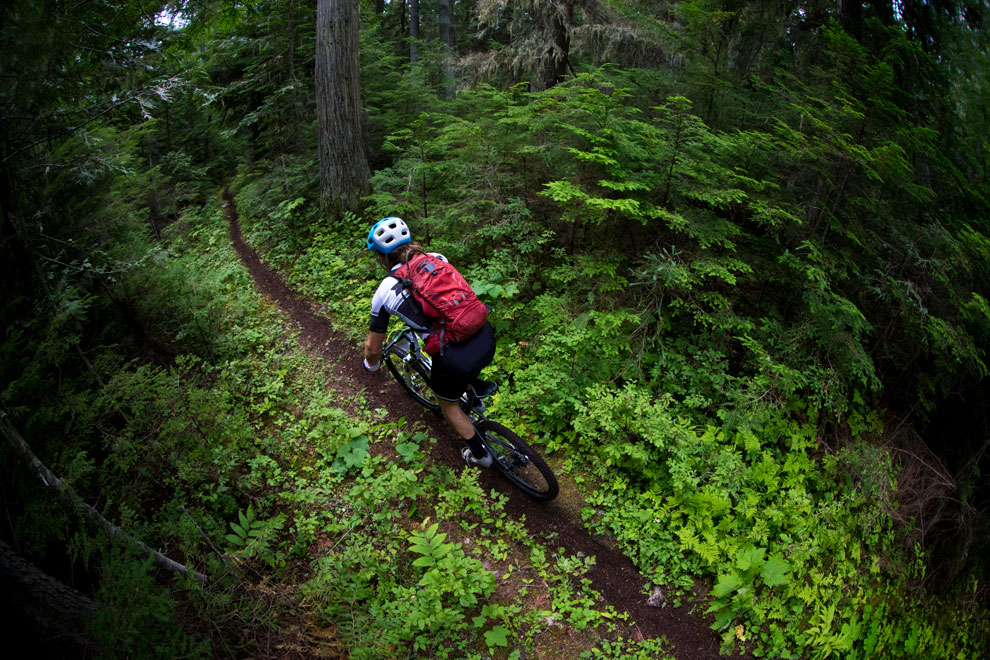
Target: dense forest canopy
{"type": "Point", "coordinates": [738, 254]}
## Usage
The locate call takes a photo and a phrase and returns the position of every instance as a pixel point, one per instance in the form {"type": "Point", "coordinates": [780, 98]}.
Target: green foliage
{"type": "Point", "coordinates": [784, 544]}
{"type": "Point", "coordinates": [714, 283]}
{"type": "Point", "coordinates": [624, 649]}
{"type": "Point", "coordinates": [700, 370]}
{"type": "Point", "coordinates": [450, 582]}
{"type": "Point", "coordinates": [252, 537]}
{"type": "Point", "coordinates": [135, 615]}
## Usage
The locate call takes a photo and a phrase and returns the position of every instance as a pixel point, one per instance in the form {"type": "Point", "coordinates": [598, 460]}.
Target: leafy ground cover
{"type": "Point", "coordinates": [712, 441]}
{"type": "Point", "coordinates": [741, 293]}
{"type": "Point", "coordinates": [326, 530]}
{"type": "Point", "coordinates": [556, 524]}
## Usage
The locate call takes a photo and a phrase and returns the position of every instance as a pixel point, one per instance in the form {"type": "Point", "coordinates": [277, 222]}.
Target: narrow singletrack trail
{"type": "Point", "coordinates": [613, 574]}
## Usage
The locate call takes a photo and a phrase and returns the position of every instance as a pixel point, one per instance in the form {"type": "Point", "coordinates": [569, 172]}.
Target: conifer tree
{"type": "Point", "coordinates": [448, 41]}
{"type": "Point", "coordinates": [344, 167]}
{"type": "Point", "coordinates": [413, 31]}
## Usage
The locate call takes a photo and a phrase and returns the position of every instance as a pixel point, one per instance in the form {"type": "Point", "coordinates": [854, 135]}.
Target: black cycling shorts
{"type": "Point", "coordinates": [460, 364]}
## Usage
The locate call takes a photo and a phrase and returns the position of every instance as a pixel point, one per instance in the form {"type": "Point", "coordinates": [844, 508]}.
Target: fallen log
{"type": "Point", "coordinates": [75, 503]}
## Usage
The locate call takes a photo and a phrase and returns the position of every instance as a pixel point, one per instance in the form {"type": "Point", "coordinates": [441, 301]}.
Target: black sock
{"type": "Point", "coordinates": [477, 449]}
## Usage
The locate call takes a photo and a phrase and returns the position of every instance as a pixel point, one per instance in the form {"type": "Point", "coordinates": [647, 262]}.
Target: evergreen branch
{"type": "Point", "coordinates": [84, 269]}
{"type": "Point", "coordinates": [209, 542]}
{"type": "Point", "coordinates": [59, 240]}
{"type": "Point", "coordinates": [72, 129]}
{"type": "Point", "coordinates": [45, 165]}
{"type": "Point", "coordinates": [89, 48]}
{"type": "Point", "coordinates": [160, 88]}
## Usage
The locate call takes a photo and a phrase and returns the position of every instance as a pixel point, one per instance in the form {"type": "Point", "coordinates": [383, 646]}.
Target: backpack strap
{"type": "Point", "coordinates": [406, 276]}
{"type": "Point", "coordinates": [407, 281]}
{"type": "Point", "coordinates": [443, 330]}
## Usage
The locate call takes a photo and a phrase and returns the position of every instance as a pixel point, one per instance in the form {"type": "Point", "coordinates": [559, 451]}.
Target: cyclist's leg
{"type": "Point", "coordinates": [464, 426]}
{"type": "Point", "coordinates": [455, 416]}
{"type": "Point", "coordinates": [448, 385]}
{"type": "Point", "coordinates": [453, 371]}
{"type": "Point", "coordinates": [470, 357]}
{"type": "Point", "coordinates": [483, 344]}
{"type": "Point", "coordinates": [459, 364]}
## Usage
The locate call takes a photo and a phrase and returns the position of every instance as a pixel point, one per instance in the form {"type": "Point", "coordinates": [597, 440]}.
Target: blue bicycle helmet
{"type": "Point", "coordinates": [388, 234]}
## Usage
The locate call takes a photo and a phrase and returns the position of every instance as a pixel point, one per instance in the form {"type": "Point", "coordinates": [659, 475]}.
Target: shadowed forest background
{"type": "Point", "coordinates": [739, 259]}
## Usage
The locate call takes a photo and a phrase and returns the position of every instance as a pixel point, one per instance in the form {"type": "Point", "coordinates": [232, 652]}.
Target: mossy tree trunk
{"type": "Point", "coordinates": [552, 62]}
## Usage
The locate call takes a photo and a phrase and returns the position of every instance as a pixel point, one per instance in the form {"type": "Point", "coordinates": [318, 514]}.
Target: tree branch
{"type": "Point", "coordinates": [73, 501]}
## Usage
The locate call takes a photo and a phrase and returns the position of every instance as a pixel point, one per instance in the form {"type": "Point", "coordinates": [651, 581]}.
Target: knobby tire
{"type": "Point", "coordinates": [519, 462]}
{"type": "Point", "coordinates": [414, 378]}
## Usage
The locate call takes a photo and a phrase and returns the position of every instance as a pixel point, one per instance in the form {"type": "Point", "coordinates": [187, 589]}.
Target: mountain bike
{"type": "Point", "coordinates": [520, 463]}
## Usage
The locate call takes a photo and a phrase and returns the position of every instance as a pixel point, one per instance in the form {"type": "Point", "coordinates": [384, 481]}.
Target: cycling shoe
{"type": "Point", "coordinates": [470, 459]}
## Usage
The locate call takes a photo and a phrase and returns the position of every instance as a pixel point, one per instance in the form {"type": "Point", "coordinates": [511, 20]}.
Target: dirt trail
{"type": "Point", "coordinates": [613, 575]}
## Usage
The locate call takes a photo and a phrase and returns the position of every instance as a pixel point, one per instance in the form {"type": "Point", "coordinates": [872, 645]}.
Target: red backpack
{"type": "Point", "coordinates": [445, 297]}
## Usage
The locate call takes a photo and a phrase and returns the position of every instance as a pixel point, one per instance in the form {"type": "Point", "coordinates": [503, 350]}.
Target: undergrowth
{"type": "Point", "coordinates": [320, 525]}
{"type": "Point", "coordinates": [708, 442]}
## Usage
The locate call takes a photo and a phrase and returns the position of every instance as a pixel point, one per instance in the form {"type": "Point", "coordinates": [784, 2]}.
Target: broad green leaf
{"type": "Point", "coordinates": [722, 619]}
{"type": "Point", "coordinates": [750, 557]}
{"type": "Point", "coordinates": [727, 583]}
{"type": "Point", "coordinates": [407, 450]}
{"type": "Point", "coordinates": [497, 636]}
{"type": "Point", "coordinates": [774, 571]}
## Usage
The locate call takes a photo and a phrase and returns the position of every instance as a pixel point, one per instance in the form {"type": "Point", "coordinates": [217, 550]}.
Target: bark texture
{"type": "Point", "coordinates": [552, 62]}
{"type": "Point", "coordinates": [344, 167]}
{"type": "Point", "coordinates": [449, 39]}
{"type": "Point", "coordinates": [413, 31]}
{"type": "Point", "coordinates": [47, 616]}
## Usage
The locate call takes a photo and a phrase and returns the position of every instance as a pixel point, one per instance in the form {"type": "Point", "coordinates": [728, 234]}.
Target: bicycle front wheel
{"type": "Point", "coordinates": [414, 376]}
{"type": "Point", "coordinates": [523, 466]}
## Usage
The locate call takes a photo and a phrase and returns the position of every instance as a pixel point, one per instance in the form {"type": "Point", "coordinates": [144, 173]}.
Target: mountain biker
{"type": "Point", "coordinates": [456, 367]}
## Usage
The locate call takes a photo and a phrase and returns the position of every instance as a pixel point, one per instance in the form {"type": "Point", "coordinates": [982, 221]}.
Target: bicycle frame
{"type": "Point", "coordinates": [412, 343]}
{"type": "Point", "coordinates": [513, 457]}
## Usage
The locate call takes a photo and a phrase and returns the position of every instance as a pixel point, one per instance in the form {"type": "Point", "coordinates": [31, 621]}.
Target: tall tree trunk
{"type": "Point", "coordinates": [344, 170]}
{"type": "Point", "coordinates": [851, 17]}
{"type": "Point", "coordinates": [296, 115]}
{"type": "Point", "coordinates": [449, 40]}
{"type": "Point", "coordinates": [413, 31]}
{"type": "Point", "coordinates": [552, 63]}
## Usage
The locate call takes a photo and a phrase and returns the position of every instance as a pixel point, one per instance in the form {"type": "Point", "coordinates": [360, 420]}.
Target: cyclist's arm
{"type": "Point", "coordinates": [379, 323]}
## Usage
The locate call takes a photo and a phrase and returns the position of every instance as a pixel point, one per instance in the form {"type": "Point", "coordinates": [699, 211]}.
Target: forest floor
{"type": "Point", "coordinates": [557, 523]}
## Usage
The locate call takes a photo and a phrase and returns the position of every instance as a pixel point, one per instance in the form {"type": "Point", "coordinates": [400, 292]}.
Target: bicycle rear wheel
{"type": "Point", "coordinates": [414, 376]}
{"type": "Point", "coordinates": [523, 466]}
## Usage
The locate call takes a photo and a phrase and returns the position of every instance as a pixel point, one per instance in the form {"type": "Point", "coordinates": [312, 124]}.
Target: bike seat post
{"type": "Point", "coordinates": [471, 401]}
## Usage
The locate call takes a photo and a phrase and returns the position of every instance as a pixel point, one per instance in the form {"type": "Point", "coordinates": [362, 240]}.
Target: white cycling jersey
{"type": "Point", "coordinates": [392, 298]}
